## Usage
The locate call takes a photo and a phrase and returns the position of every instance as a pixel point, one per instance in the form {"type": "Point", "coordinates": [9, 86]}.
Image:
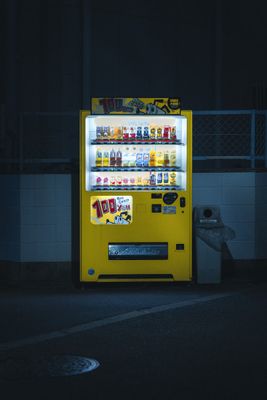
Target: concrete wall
{"type": "Point", "coordinates": [36, 214]}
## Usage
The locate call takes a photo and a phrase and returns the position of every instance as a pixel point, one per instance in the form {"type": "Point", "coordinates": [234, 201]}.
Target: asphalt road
{"type": "Point", "coordinates": [152, 342]}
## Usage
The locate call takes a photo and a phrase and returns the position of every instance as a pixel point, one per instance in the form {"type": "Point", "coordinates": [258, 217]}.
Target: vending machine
{"type": "Point", "coordinates": [135, 190]}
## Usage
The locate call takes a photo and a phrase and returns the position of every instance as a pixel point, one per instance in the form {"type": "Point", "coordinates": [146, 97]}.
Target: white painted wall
{"type": "Point", "coordinates": [261, 215]}
{"type": "Point", "coordinates": [242, 197]}
{"type": "Point", "coordinates": [36, 213]}
{"type": "Point", "coordinates": [45, 209]}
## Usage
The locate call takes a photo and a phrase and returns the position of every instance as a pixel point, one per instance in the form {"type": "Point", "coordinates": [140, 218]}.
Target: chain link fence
{"type": "Point", "coordinates": [229, 139]}
{"type": "Point", "coordinates": [222, 140]}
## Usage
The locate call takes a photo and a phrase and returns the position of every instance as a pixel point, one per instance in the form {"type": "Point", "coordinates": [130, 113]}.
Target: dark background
{"type": "Point", "coordinates": [56, 54]}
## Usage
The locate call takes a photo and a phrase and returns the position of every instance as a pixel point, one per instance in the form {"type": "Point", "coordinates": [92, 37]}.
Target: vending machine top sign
{"type": "Point", "coordinates": [136, 105]}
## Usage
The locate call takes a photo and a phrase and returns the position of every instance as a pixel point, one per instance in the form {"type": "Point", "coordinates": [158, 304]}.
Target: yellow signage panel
{"type": "Point", "coordinates": [136, 105]}
{"type": "Point", "coordinates": [111, 210]}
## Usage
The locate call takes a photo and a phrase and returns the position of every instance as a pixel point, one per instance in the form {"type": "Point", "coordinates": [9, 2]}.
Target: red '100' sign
{"type": "Point", "coordinates": [104, 207]}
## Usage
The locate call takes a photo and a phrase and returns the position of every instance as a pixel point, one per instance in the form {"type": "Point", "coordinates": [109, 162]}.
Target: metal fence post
{"type": "Point", "coordinates": [265, 140]}
{"type": "Point", "coordinates": [2, 126]}
{"type": "Point", "coordinates": [253, 138]}
{"type": "Point", "coordinates": [20, 142]}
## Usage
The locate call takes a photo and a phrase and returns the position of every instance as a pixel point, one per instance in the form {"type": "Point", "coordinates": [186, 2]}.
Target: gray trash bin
{"type": "Point", "coordinates": [210, 234]}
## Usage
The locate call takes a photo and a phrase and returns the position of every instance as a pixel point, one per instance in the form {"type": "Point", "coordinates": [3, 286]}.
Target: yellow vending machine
{"type": "Point", "coordinates": [135, 190]}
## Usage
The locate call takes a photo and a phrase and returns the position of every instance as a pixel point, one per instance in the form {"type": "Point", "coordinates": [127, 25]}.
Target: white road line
{"type": "Point", "coordinates": [6, 346]}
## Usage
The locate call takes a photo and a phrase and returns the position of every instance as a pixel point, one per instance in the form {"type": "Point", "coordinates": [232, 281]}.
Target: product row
{"type": "Point", "coordinates": [135, 158]}
{"type": "Point", "coordinates": [149, 132]}
{"type": "Point", "coordinates": [145, 179]}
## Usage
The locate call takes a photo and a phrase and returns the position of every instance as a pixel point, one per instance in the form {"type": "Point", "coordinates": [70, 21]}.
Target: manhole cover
{"type": "Point", "coordinates": [55, 365]}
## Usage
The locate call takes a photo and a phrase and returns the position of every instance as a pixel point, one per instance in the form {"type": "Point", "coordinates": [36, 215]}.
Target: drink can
{"type": "Point", "coordinates": [132, 133]}
{"type": "Point", "coordinates": [139, 180]}
{"type": "Point", "coordinates": [99, 132]}
{"type": "Point", "coordinates": [125, 133]}
{"type": "Point", "coordinates": [173, 178]}
{"type": "Point", "coordinates": [146, 133]}
{"type": "Point", "coordinates": [98, 181]}
{"type": "Point", "coordinates": [132, 180]}
{"type": "Point", "coordinates": [159, 133]}
{"type": "Point", "coordinates": [173, 133]}
{"type": "Point", "coordinates": [152, 178]}
{"type": "Point", "coordinates": [159, 178]}
{"type": "Point", "coordinates": [105, 133]}
{"type": "Point", "coordinates": [166, 178]}
{"type": "Point", "coordinates": [125, 181]}
{"type": "Point", "coordinates": [106, 181]}
{"type": "Point", "coordinates": [139, 133]}
{"type": "Point", "coordinates": [166, 132]}
{"type": "Point", "coordinates": [112, 181]}
{"type": "Point", "coordinates": [119, 180]}
{"type": "Point", "coordinates": [152, 133]}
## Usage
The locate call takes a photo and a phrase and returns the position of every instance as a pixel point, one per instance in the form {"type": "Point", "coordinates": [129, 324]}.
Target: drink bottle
{"type": "Point", "coordinates": [173, 158]}
{"type": "Point", "coordinates": [99, 158]}
{"type": "Point", "coordinates": [112, 159]}
{"type": "Point", "coordinates": [132, 157]}
{"type": "Point", "coordinates": [125, 158]}
{"type": "Point", "coordinates": [152, 158]}
{"type": "Point", "coordinates": [146, 158]}
{"type": "Point", "coordinates": [159, 158]}
{"type": "Point", "coordinates": [106, 158]}
{"type": "Point", "coordinates": [119, 158]}
{"type": "Point", "coordinates": [166, 158]}
{"type": "Point", "coordinates": [119, 133]}
{"type": "Point", "coordinates": [139, 158]}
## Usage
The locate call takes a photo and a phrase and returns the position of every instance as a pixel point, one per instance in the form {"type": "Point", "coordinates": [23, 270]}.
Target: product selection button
{"type": "Point", "coordinates": [156, 208]}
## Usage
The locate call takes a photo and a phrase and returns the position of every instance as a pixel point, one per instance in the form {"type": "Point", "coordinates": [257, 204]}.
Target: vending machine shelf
{"type": "Point", "coordinates": [137, 169]}
{"type": "Point", "coordinates": [146, 188]}
{"type": "Point", "coordinates": [136, 142]}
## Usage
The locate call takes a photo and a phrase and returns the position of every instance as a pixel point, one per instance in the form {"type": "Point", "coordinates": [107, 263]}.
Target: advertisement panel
{"type": "Point", "coordinates": [111, 210]}
{"type": "Point", "coordinates": [136, 105]}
